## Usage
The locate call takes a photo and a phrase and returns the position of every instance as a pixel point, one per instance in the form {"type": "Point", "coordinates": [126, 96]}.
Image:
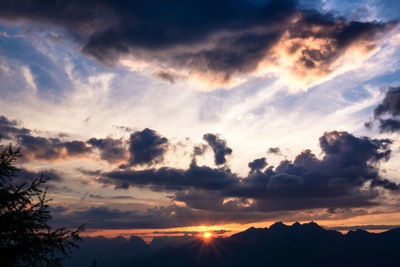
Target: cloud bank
{"type": "Point", "coordinates": [216, 42]}
{"type": "Point", "coordinates": [346, 176]}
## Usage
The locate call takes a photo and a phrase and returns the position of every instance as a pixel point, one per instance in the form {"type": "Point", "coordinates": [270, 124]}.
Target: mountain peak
{"type": "Point", "coordinates": [136, 241]}
{"type": "Point", "coordinates": [296, 224]}
{"type": "Point", "coordinates": [358, 233]}
{"type": "Point", "coordinates": [308, 244]}
{"type": "Point", "coordinates": [278, 226]}
{"type": "Point", "coordinates": [313, 225]}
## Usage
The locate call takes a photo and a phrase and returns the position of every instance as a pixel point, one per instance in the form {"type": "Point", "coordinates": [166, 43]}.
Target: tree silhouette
{"type": "Point", "coordinates": [26, 239]}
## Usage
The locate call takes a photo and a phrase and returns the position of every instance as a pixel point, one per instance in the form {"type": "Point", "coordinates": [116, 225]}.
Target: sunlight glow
{"type": "Point", "coordinates": [207, 235]}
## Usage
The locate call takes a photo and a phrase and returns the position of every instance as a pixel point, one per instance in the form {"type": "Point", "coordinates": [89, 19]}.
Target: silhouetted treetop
{"type": "Point", "coordinates": [26, 238]}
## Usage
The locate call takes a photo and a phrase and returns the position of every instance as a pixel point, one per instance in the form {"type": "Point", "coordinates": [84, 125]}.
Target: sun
{"type": "Point", "coordinates": [207, 235]}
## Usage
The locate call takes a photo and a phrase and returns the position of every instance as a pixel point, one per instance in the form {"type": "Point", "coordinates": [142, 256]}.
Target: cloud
{"type": "Point", "coordinates": [123, 128]}
{"type": "Point", "coordinates": [346, 176]}
{"type": "Point", "coordinates": [166, 76]}
{"type": "Point", "coordinates": [214, 41]}
{"type": "Point", "coordinates": [5, 121]}
{"type": "Point", "coordinates": [147, 147]}
{"type": "Point", "coordinates": [58, 209]}
{"type": "Point", "coordinates": [40, 148]}
{"type": "Point", "coordinates": [8, 128]}
{"type": "Point", "coordinates": [27, 175]}
{"type": "Point", "coordinates": [199, 149]}
{"type": "Point", "coordinates": [111, 150]}
{"type": "Point", "coordinates": [102, 217]}
{"type": "Point", "coordinates": [172, 179]}
{"type": "Point", "coordinates": [218, 145]}
{"type": "Point", "coordinates": [387, 113]}
{"type": "Point", "coordinates": [111, 197]}
{"type": "Point", "coordinates": [385, 183]}
{"type": "Point", "coordinates": [257, 165]}
{"type": "Point", "coordinates": [274, 150]}
{"type": "Point", "coordinates": [50, 149]}
{"type": "Point", "coordinates": [364, 227]}
{"type": "Point", "coordinates": [192, 233]}
{"type": "Point", "coordinates": [336, 180]}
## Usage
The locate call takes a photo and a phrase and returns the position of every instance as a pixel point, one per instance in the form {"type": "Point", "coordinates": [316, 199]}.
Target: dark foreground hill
{"type": "Point", "coordinates": [279, 245]}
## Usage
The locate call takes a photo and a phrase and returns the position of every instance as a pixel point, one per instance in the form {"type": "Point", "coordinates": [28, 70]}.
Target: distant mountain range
{"type": "Point", "coordinates": [280, 245]}
{"type": "Point", "coordinates": [119, 250]}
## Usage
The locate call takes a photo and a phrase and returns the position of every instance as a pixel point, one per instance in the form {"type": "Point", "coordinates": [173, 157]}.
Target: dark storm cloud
{"type": "Point", "coordinates": [218, 145]}
{"type": "Point", "coordinates": [387, 113]}
{"type": "Point", "coordinates": [9, 128]}
{"type": "Point", "coordinates": [385, 183]}
{"type": "Point", "coordinates": [41, 148]}
{"type": "Point", "coordinates": [326, 27]}
{"type": "Point", "coordinates": [346, 176]}
{"type": "Point", "coordinates": [147, 147]}
{"type": "Point", "coordinates": [159, 25]}
{"type": "Point", "coordinates": [173, 179]}
{"type": "Point", "coordinates": [6, 121]}
{"type": "Point", "coordinates": [389, 125]}
{"type": "Point", "coordinates": [225, 37]}
{"type": "Point", "coordinates": [111, 150]}
{"type": "Point", "coordinates": [232, 55]}
{"type": "Point", "coordinates": [390, 104]}
{"type": "Point", "coordinates": [75, 16]}
{"type": "Point", "coordinates": [257, 165]}
{"type": "Point", "coordinates": [336, 180]}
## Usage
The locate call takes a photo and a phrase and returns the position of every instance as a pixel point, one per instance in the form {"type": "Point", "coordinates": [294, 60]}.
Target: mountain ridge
{"type": "Point", "coordinates": [279, 245]}
{"type": "Point", "coordinates": [284, 245]}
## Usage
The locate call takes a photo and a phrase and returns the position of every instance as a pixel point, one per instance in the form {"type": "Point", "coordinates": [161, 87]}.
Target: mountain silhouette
{"type": "Point", "coordinates": [279, 245]}
{"type": "Point", "coordinates": [160, 242]}
{"type": "Point", "coordinates": [119, 250]}
{"type": "Point", "coordinates": [106, 251]}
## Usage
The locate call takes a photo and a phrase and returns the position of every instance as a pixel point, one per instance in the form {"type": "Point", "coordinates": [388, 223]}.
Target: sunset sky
{"type": "Point", "coordinates": [165, 117]}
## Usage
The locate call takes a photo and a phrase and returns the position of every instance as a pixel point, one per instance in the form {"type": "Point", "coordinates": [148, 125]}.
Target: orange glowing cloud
{"type": "Point", "coordinates": [303, 52]}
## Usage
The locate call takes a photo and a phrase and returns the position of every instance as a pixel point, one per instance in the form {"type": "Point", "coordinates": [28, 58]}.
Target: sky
{"type": "Point", "coordinates": [165, 117]}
